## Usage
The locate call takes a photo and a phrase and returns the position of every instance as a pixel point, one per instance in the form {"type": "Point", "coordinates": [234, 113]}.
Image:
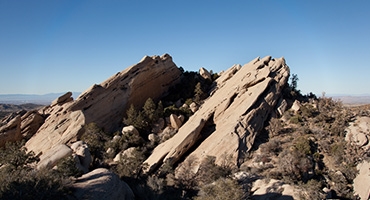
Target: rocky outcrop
{"type": "Point", "coordinates": [361, 184]}
{"type": "Point", "coordinates": [10, 131]}
{"type": "Point", "coordinates": [175, 121]}
{"type": "Point", "coordinates": [101, 184]}
{"type": "Point", "coordinates": [205, 73]}
{"type": "Point", "coordinates": [31, 122]}
{"type": "Point", "coordinates": [273, 189]}
{"type": "Point", "coordinates": [67, 97]}
{"type": "Point", "coordinates": [82, 155]}
{"type": "Point", "coordinates": [231, 118]}
{"type": "Point", "coordinates": [50, 158]}
{"type": "Point", "coordinates": [358, 132]}
{"type": "Point", "coordinates": [105, 104]}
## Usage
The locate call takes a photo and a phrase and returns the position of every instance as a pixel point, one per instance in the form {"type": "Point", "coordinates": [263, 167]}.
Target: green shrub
{"type": "Point", "coordinates": [18, 179]}
{"type": "Point", "coordinates": [223, 188]}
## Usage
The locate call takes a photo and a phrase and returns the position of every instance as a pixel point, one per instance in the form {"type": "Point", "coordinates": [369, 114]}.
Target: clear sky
{"type": "Point", "coordinates": [67, 45]}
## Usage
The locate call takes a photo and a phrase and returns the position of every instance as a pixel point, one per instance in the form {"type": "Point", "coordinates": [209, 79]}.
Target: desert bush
{"type": "Point", "coordinates": [273, 146]}
{"type": "Point", "coordinates": [67, 167]}
{"type": "Point", "coordinates": [14, 156]}
{"type": "Point", "coordinates": [275, 127]}
{"type": "Point", "coordinates": [186, 174]}
{"type": "Point", "coordinates": [143, 118]}
{"type": "Point", "coordinates": [296, 119]}
{"type": "Point", "coordinates": [223, 188]}
{"type": "Point", "coordinates": [131, 166]}
{"type": "Point", "coordinates": [337, 151]}
{"type": "Point", "coordinates": [294, 165]}
{"type": "Point", "coordinates": [302, 145]}
{"type": "Point", "coordinates": [24, 184]}
{"type": "Point", "coordinates": [95, 138]}
{"type": "Point", "coordinates": [18, 179]}
{"type": "Point", "coordinates": [209, 171]}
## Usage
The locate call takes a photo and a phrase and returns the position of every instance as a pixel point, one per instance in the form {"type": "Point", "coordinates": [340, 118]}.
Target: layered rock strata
{"type": "Point", "coordinates": [105, 104]}
{"type": "Point", "coordinates": [231, 118]}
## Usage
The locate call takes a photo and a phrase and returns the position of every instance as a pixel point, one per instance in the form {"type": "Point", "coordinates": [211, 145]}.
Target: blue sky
{"type": "Point", "coordinates": [64, 45]}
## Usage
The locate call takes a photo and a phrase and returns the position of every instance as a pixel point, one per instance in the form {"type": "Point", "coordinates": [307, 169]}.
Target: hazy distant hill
{"type": "Point", "coordinates": [353, 100]}
{"type": "Point", "coordinates": [6, 109]}
{"type": "Point", "coordinates": [31, 98]}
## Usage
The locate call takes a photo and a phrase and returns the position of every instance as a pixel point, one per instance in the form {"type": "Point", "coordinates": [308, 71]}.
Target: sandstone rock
{"type": "Point", "coordinates": [296, 106]}
{"type": "Point", "coordinates": [30, 123]}
{"type": "Point", "coordinates": [181, 118]}
{"type": "Point", "coordinates": [67, 97]}
{"type": "Point", "coordinates": [230, 119]}
{"type": "Point", "coordinates": [81, 149]}
{"type": "Point", "coordinates": [152, 137]}
{"type": "Point", "coordinates": [50, 158]}
{"type": "Point", "coordinates": [273, 189]}
{"type": "Point", "coordinates": [129, 130]}
{"type": "Point", "coordinates": [205, 73]}
{"type": "Point", "coordinates": [357, 132]}
{"type": "Point", "coordinates": [101, 184]}
{"type": "Point", "coordinates": [282, 107]}
{"type": "Point", "coordinates": [105, 104]}
{"type": "Point", "coordinates": [11, 131]}
{"type": "Point", "coordinates": [125, 153]}
{"type": "Point", "coordinates": [361, 184]}
{"type": "Point", "coordinates": [175, 121]}
{"type": "Point", "coordinates": [110, 151]}
{"type": "Point", "coordinates": [116, 138]}
{"type": "Point", "coordinates": [193, 107]}
{"type": "Point", "coordinates": [226, 75]}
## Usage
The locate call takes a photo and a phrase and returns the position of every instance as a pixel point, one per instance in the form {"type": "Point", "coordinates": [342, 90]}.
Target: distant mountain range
{"type": "Point", "coordinates": [44, 99]}
{"type": "Point", "coordinates": [353, 100]}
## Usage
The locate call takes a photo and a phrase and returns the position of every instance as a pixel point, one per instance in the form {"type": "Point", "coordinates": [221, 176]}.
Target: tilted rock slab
{"type": "Point", "coordinates": [105, 104]}
{"type": "Point", "coordinates": [230, 119]}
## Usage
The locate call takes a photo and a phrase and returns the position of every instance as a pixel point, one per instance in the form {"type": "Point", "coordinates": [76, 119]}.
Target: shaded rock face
{"type": "Point", "coordinates": [230, 119]}
{"type": "Point", "coordinates": [31, 122]}
{"type": "Point", "coordinates": [105, 104]}
{"type": "Point", "coordinates": [10, 131]}
{"type": "Point", "coordinates": [101, 184]}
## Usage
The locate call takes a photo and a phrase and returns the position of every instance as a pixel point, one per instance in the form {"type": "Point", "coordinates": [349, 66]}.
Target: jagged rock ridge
{"type": "Point", "coordinates": [229, 120]}
{"type": "Point", "coordinates": [106, 103]}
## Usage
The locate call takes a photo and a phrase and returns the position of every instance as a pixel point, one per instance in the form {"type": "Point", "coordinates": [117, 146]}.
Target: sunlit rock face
{"type": "Point", "coordinates": [105, 103]}
{"type": "Point", "coordinates": [231, 118]}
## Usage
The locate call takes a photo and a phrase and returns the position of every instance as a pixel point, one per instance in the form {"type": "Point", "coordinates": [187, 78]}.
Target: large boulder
{"type": "Point", "coordinates": [82, 152]}
{"type": "Point", "coordinates": [231, 118]}
{"type": "Point", "coordinates": [358, 132]}
{"type": "Point", "coordinates": [273, 189]}
{"type": "Point", "coordinates": [50, 158]}
{"type": "Point", "coordinates": [205, 73]}
{"type": "Point", "coordinates": [105, 104]}
{"type": "Point", "coordinates": [175, 121]}
{"type": "Point", "coordinates": [361, 184]}
{"type": "Point", "coordinates": [101, 184]}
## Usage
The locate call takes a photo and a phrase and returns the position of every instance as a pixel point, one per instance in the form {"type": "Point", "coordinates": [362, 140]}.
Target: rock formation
{"type": "Point", "coordinates": [361, 184]}
{"type": "Point", "coordinates": [105, 104]}
{"type": "Point", "coordinates": [101, 184]}
{"type": "Point", "coordinates": [229, 120]}
{"type": "Point", "coordinates": [10, 131]}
